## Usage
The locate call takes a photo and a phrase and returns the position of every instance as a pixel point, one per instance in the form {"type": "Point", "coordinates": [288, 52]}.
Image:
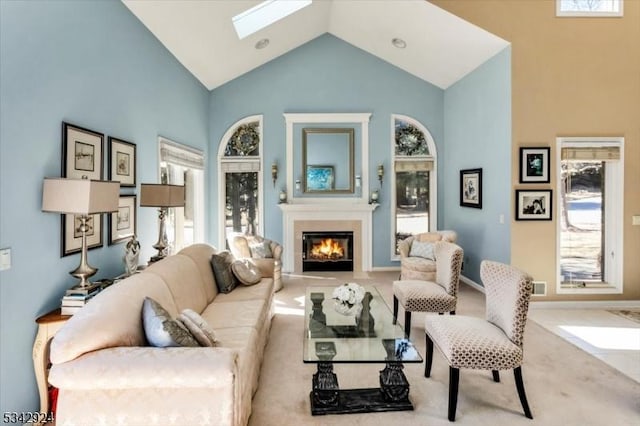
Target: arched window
{"type": "Point", "coordinates": [414, 186]}
{"type": "Point", "coordinates": [240, 180]}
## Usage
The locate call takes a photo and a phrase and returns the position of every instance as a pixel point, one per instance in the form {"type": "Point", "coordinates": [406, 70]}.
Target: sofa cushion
{"type": "Point", "coordinates": [422, 249]}
{"type": "Point", "coordinates": [260, 249]}
{"type": "Point", "coordinates": [246, 271]}
{"type": "Point", "coordinates": [221, 265]}
{"type": "Point", "coordinates": [202, 332]}
{"type": "Point", "coordinates": [246, 313]}
{"type": "Point", "coordinates": [260, 291]}
{"type": "Point", "coordinates": [161, 330]}
{"type": "Point", "coordinates": [201, 255]}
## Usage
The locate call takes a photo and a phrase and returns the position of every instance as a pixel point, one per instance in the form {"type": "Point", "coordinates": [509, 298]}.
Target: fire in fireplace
{"type": "Point", "coordinates": [327, 251]}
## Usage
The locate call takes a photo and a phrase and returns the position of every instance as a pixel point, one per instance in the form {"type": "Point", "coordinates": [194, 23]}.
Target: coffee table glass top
{"type": "Point", "coordinates": [370, 337]}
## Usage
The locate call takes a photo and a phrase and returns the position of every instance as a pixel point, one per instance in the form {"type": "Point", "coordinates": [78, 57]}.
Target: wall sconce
{"type": "Point", "coordinates": [274, 173]}
{"type": "Point", "coordinates": [380, 173]}
{"type": "Point", "coordinates": [374, 197]}
{"type": "Point", "coordinates": [282, 197]}
{"type": "Point", "coordinates": [358, 181]}
{"type": "Point", "coordinates": [297, 184]}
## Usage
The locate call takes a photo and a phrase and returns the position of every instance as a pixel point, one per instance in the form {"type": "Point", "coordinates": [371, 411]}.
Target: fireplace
{"type": "Point", "coordinates": [327, 251]}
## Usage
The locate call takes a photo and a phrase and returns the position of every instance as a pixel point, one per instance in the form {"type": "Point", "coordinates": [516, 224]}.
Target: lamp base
{"type": "Point", "coordinates": [156, 258]}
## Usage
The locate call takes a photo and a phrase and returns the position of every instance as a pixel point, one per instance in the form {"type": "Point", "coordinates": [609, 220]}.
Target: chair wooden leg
{"type": "Point", "coordinates": [496, 375]}
{"type": "Point", "coordinates": [454, 378]}
{"type": "Point", "coordinates": [452, 313]}
{"type": "Point", "coordinates": [395, 309]}
{"type": "Point", "coordinates": [407, 323]}
{"type": "Point", "coordinates": [440, 313]}
{"type": "Point", "coordinates": [429, 356]}
{"type": "Point", "coordinates": [517, 373]}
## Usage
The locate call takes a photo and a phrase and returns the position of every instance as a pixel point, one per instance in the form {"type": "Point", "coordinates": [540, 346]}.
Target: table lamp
{"type": "Point", "coordinates": [161, 196]}
{"type": "Point", "coordinates": [82, 197]}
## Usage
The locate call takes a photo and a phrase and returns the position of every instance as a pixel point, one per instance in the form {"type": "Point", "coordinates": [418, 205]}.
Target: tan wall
{"type": "Point", "coordinates": [570, 77]}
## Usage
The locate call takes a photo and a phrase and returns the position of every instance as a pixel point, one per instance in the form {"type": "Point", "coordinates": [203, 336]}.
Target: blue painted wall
{"type": "Point", "coordinates": [325, 75]}
{"type": "Point", "coordinates": [477, 127]}
{"type": "Point", "coordinates": [92, 64]}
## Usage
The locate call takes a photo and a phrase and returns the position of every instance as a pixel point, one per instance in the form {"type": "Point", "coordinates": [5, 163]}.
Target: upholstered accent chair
{"type": "Point", "coordinates": [438, 296]}
{"type": "Point", "coordinates": [264, 253]}
{"type": "Point", "coordinates": [494, 343]}
{"type": "Point", "coordinates": [416, 260]}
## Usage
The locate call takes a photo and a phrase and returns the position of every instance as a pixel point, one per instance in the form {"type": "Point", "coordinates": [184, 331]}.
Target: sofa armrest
{"type": "Point", "coordinates": [276, 249]}
{"type": "Point", "coordinates": [148, 367]}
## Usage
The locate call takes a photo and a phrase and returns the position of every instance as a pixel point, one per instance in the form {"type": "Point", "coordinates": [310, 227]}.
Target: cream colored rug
{"type": "Point", "coordinates": [564, 385]}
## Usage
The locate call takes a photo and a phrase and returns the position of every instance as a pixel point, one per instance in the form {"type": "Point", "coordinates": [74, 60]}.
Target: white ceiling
{"type": "Point", "coordinates": [441, 48]}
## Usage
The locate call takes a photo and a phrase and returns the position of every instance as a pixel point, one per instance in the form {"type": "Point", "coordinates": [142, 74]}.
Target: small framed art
{"type": "Point", "coordinates": [122, 161]}
{"type": "Point", "coordinates": [535, 204]}
{"type": "Point", "coordinates": [320, 178]}
{"type": "Point", "coordinates": [72, 235]}
{"type": "Point", "coordinates": [471, 188]}
{"type": "Point", "coordinates": [81, 152]}
{"type": "Point", "coordinates": [122, 224]}
{"type": "Point", "coordinates": [534, 165]}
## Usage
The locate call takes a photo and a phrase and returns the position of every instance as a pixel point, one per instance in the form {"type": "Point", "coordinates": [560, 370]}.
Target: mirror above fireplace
{"type": "Point", "coordinates": [327, 160]}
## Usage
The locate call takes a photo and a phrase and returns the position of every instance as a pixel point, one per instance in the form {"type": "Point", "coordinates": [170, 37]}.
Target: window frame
{"type": "Point", "coordinates": [433, 177]}
{"type": "Point", "coordinates": [589, 13]}
{"type": "Point", "coordinates": [613, 281]}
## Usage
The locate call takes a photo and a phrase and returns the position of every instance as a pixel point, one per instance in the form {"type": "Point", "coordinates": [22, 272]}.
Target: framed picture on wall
{"type": "Point", "coordinates": [72, 235]}
{"type": "Point", "coordinates": [122, 224]}
{"type": "Point", "coordinates": [122, 161]}
{"type": "Point", "coordinates": [534, 165]}
{"type": "Point", "coordinates": [535, 204]}
{"type": "Point", "coordinates": [81, 152]}
{"type": "Point", "coordinates": [471, 188]}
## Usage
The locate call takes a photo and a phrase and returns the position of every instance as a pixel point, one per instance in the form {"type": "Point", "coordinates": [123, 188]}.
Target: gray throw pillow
{"type": "Point", "coordinates": [221, 264]}
{"type": "Point", "coordinates": [419, 249]}
{"type": "Point", "coordinates": [246, 271]}
{"type": "Point", "coordinates": [161, 330]}
{"type": "Point", "coordinates": [203, 333]}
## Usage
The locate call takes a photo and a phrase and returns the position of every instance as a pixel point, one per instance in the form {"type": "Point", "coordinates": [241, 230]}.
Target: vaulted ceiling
{"type": "Point", "coordinates": [440, 47]}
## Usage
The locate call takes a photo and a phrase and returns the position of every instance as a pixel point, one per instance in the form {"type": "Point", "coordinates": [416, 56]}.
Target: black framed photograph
{"type": "Point", "coordinates": [82, 152]}
{"type": "Point", "coordinates": [535, 204]}
{"type": "Point", "coordinates": [122, 224]}
{"type": "Point", "coordinates": [471, 188]}
{"type": "Point", "coordinates": [72, 236]}
{"type": "Point", "coordinates": [122, 161]}
{"type": "Point", "coordinates": [534, 164]}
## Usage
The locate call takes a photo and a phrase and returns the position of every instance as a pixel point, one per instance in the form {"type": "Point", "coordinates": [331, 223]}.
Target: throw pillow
{"type": "Point", "coordinates": [419, 249]}
{"type": "Point", "coordinates": [221, 264]}
{"type": "Point", "coordinates": [260, 249]}
{"type": "Point", "coordinates": [246, 271]}
{"type": "Point", "coordinates": [161, 330]}
{"type": "Point", "coordinates": [203, 333]}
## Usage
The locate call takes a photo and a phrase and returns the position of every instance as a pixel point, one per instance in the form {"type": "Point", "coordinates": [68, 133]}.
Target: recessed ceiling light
{"type": "Point", "coordinates": [399, 43]}
{"type": "Point", "coordinates": [262, 43]}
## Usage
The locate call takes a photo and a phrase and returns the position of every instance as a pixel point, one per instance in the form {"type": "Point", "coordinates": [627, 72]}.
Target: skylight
{"type": "Point", "coordinates": [265, 14]}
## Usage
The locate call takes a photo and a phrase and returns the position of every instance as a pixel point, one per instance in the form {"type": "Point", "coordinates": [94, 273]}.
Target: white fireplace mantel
{"type": "Point", "coordinates": [305, 216]}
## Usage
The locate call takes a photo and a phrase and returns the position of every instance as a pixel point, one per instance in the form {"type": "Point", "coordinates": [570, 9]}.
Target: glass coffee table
{"type": "Point", "coordinates": [370, 337]}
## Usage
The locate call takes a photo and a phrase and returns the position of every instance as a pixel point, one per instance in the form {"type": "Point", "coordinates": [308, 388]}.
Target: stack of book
{"type": "Point", "coordinates": [75, 298]}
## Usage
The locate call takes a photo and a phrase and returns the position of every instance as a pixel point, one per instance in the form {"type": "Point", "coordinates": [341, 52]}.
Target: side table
{"type": "Point", "coordinates": [48, 326]}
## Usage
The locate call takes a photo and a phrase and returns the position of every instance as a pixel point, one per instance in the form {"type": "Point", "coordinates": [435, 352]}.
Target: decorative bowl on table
{"type": "Point", "coordinates": [348, 298]}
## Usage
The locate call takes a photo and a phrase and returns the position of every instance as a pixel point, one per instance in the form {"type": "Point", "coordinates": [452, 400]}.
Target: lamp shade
{"type": "Point", "coordinates": [80, 196]}
{"type": "Point", "coordinates": [159, 195]}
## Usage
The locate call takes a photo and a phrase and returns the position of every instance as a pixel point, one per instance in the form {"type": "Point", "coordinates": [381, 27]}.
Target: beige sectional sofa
{"type": "Point", "coordinates": [108, 375]}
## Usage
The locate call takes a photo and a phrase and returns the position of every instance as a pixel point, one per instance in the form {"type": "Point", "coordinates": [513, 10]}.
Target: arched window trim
{"type": "Point", "coordinates": [237, 163]}
{"type": "Point", "coordinates": [433, 179]}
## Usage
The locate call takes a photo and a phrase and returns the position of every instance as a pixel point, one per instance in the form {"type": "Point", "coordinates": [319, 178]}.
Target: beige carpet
{"type": "Point", "coordinates": [564, 385]}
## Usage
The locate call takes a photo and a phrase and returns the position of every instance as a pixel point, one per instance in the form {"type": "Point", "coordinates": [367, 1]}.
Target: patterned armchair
{"type": "Point", "coordinates": [440, 295]}
{"type": "Point", "coordinates": [265, 254]}
{"type": "Point", "coordinates": [494, 343]}
{"type": "Point", "coordinates": [416, 260]}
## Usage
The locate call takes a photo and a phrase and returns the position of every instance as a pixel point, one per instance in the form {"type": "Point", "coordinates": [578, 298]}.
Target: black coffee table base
{"type": "Point", "coordinates": [327, 398]}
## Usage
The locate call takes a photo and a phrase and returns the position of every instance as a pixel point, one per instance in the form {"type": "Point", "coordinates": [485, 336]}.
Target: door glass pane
{"type": "Point", "coordinates": [582, 216]}
{"type": "Point", "coordinates": [412, 204]}
{"type": "Point", "coordinates": [241, 213]}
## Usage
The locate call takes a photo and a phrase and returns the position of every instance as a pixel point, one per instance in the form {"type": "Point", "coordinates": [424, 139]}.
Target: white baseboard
{"type": "Point", "coordinates": [385, 269]}
{"type": "Point", "coordinates": [471, 283]}
{"type": "Point", "coordinates": [585, 304]}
